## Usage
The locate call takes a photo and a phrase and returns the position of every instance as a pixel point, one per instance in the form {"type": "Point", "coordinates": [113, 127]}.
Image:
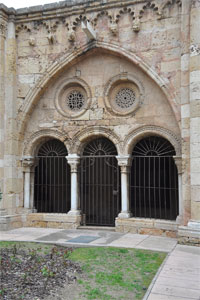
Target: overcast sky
{"type": "Point", "coordinates": [25, 3]}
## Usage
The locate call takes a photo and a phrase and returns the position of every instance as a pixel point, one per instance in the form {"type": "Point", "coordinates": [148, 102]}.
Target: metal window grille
{"type": "Point", "coordinates": [100, 183]}
{"type": "Point", "coordinates": [52, 179]}
{"type": "Point", "coordinates": [154, 180]}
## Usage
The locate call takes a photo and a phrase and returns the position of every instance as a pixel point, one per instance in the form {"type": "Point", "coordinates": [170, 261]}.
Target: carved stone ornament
{"type": "Point", "coordinates": [51, 38]}
{"type": "Point", "coordinates": [73, 160]}
{"type": "Point", "coordinates": [124, 161]}
{"type": "Point", "coordinates": [113, 28]}
{"type": "Point", "coordinates": [3, 28]}
{"type": "Point", "coordinates": [28, 162]}
{"type": "Point", "coordinates": [31, 41]}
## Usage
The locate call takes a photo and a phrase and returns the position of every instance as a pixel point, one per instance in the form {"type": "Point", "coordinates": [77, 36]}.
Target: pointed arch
{"type": "Point", "coordinates": [60, 64]}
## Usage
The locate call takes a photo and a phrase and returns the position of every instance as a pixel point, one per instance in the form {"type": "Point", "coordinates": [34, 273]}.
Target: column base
{"type": "Point", "coordinates": [124, 215]}
{"type": "Point", "coordinates": [74, 213]}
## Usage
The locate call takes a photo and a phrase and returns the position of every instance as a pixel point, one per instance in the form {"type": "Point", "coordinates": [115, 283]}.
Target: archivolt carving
{"type": "Point", "coordinates": [36, 139]}
{"type": "Point", "coordinates": [134, 136]}
{"type": "Point", "coordinates": [87, 134]}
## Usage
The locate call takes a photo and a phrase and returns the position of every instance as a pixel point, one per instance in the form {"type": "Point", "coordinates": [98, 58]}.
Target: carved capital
{"type": "Point", "coordinates": [28, 162]}
{"type": "Point", "coordinates": [73, 160]}
{"type": "Point", "coordinates": [124, 161]}
{"type": "Point", "coordinates": [178, 162]}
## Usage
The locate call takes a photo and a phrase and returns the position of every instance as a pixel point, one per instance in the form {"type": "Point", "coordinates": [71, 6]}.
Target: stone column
{"type": "Point", "coordinates": [3, 29]}
{"type": "Point", "coordinates": [125, 163]}
{"type": "Point", "coordinates": [178, 162]}
{"type": "Point", "coordinates": [74, 160]}
{"type": "Point", "coordinates": [195, 112]}
{"type": "Point", "coordinates": [28, 163]}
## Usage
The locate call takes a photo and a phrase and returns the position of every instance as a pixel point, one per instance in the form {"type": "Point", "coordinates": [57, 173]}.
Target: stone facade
{"type": "Point", "coordinates": [152, 46]}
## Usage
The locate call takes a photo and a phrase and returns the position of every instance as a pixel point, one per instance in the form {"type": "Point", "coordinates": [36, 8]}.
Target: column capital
{"type": "Point", "coordinates": [73, 160]}
{"type": "Point", "coordinates": [178, 162]}
{"type": "Point", "coordinates": [28, 162]}
{"type": "Point", "coordinates": [124, 161]}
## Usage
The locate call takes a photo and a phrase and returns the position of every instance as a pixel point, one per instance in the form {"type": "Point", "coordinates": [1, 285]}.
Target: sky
{"type": "Point", "coordinates": [25, 3]}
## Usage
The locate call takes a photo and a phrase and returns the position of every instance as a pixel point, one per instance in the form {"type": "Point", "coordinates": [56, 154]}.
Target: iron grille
{"type": "Point", "coordinates": [100, 183]}
{"type": "Point", "coordinates": [154, 180]}
{"type": "Point", "coordinates": [52, 179]}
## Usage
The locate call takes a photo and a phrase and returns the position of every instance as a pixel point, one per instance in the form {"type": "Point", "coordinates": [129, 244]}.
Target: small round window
{"type": "Point", "coordinates": [75, 100]}
{"type": "Point", "coordinates": [125, 98]}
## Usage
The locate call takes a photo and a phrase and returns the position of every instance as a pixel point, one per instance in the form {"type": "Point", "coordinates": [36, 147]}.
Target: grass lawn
{"type": "Point", "coordinates": [100, 272]}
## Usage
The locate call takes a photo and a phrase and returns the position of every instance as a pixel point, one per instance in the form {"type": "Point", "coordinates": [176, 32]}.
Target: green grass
{"type": "Point", "coordinates": [108, 273]}
{"type": "Point", "coordinates": [116, 273]}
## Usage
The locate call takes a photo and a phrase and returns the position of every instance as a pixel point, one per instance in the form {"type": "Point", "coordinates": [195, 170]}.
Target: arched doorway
{"type": "Point", "coordinates": [52, 179]}
{"type": "Point", "coordinates": [100, 183]}
{"type": "Point", "coordinates": [154, 179]}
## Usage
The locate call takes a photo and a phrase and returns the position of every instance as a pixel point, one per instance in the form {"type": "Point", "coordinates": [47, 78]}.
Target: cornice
{"type": "Point", "coordinates": [68, 8]}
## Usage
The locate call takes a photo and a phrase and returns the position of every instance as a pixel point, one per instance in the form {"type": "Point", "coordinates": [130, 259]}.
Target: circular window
{"type": "Point", "coordinates": [75, 100]}
{"type": "Point", "coordinates": [123, 95]}
{"type": "Point", "coordinates": [125, 98]}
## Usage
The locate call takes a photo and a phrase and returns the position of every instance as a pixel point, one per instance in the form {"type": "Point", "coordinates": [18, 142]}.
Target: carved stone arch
{"type": "Point", "coordinates": [89, 133]}
{"type": "Point", "coordinates": [60, 64]}
{"type": "Point", "coordinates": [134, 136]}
{"type": "Point", "coordinates": [35, 140]}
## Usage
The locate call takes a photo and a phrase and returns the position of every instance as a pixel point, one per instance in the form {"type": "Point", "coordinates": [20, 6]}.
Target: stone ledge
{"type": "Point", "coordinates": [147, 226]}
{"type": "Point", "coordinates": [46, 220]}
{"type": "Point", "coordinates": [9, 222]}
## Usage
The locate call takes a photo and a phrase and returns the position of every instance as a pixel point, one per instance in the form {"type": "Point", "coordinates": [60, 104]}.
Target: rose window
{"type": "Point", "coordinates": [75, 100]}
{"type": "Point", "coordinates": [125, 98]}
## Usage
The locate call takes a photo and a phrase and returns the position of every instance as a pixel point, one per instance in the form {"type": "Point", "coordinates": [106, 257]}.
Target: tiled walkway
{"type": "Point", "coordinates": [177, 279]}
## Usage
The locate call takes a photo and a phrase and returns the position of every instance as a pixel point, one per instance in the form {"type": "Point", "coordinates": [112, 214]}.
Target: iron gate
{"type": "Point", "coordinates": [154, 180]}
{"type": "Point", "coordinates": [52, 179]}
{"type": "Point", "coordinates": [100, 184]}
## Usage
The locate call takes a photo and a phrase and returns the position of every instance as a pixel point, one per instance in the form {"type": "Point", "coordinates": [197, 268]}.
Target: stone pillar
{"type": "Point", "coordinates": [28, 163]}
{"type": "Point", "coordinates": [74, 160]}
{"type": "Point", "coordinates": [125, 163]}
{"type": "Point", "coordinates": [3, 29]}
{"type": "Point", "coordinates": [13, 185]}
{"type": "Point", "coordinates": [195, 112]}
{"type": "Point", "coordinates": [178, 162]}
{"type": "Point", "coordinates": [185, 107]}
